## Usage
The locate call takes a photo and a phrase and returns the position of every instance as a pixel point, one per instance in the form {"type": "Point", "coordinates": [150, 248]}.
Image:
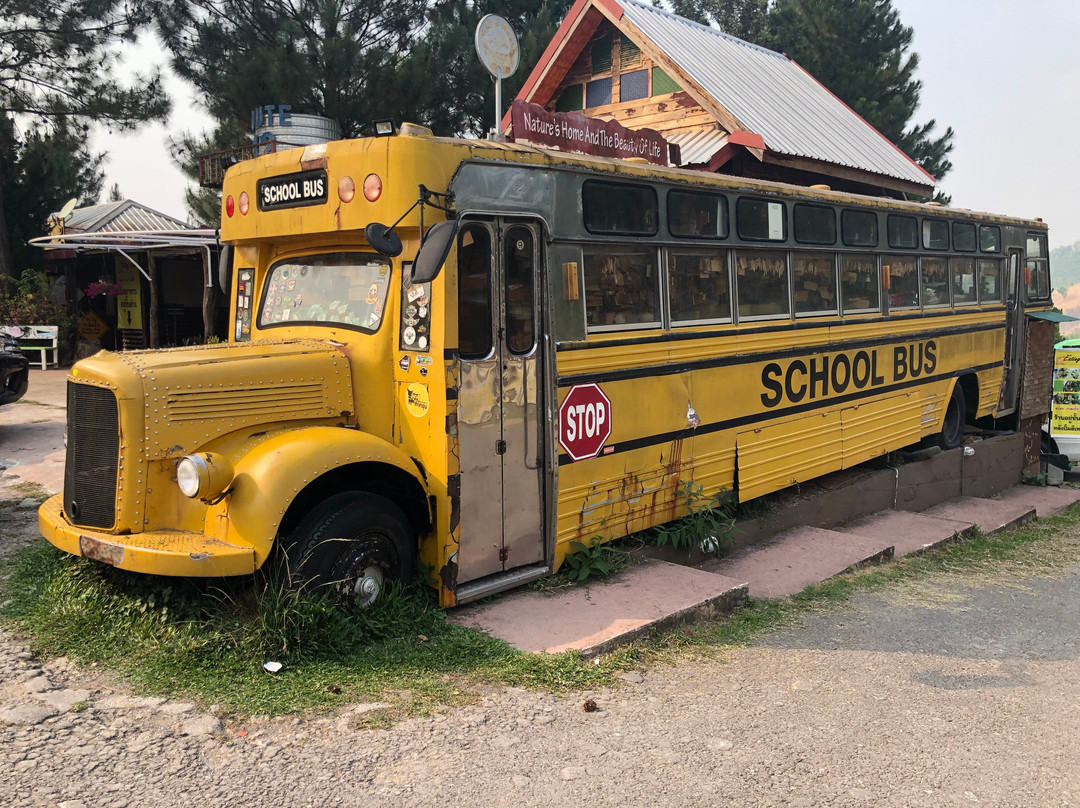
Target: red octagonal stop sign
{"type": "Point", "coordinates": [584, 421]}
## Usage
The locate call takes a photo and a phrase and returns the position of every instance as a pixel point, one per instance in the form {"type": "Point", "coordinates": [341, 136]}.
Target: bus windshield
{"type": "Point", "coordinates": [333, 288]}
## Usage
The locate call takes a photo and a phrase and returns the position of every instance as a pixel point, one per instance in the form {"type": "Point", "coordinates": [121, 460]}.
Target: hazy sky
{"type": "Point", "coordinates": [1002, 73]}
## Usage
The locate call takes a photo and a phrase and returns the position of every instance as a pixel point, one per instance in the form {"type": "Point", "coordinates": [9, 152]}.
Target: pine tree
{"type": "Point", "coordinates": [40, 171]}
{"type": "Point", "coordinates": [860, 50]}
{"type": "Point", "coordinates": [746, 19]}
{"type": "Point", "coordinates": [57, 70]}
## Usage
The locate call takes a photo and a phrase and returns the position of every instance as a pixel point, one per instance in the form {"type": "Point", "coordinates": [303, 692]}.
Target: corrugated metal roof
{"type": "Point", "coordinates": [772, 96]}
{"type": "Point", "coordinates": [119, 217]}
{"type": "Point", "coordinates": [698, 147]}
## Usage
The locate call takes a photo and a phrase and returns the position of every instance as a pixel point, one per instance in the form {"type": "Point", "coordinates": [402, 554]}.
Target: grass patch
{"type": "Point", "coordinates": [31, 490]}
{"type": "Point", "coordinates": [208, 639]}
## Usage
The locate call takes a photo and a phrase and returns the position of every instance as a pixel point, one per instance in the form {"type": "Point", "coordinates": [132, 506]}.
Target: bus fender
{"type": "Point", "coordinates": [273, 474]}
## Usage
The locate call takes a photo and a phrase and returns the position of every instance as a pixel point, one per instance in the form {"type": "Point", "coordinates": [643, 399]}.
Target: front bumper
{"type": "Point", "coordinates": [157, 552]}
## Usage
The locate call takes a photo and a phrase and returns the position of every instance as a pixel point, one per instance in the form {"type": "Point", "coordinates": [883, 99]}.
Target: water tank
{"type": "Point", "coordinates": [301, 130]}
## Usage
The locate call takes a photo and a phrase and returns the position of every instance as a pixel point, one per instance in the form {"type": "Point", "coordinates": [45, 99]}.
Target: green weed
{"type": "Point", "coordinates": [709, 526]}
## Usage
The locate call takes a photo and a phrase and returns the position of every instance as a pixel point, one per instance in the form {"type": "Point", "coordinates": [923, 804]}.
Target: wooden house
{"type": "Point", "coordinates": [729, 106]}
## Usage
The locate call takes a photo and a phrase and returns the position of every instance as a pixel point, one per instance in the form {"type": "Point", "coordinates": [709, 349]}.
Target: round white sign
{"type": "Point", "coordinates": [497, 46]}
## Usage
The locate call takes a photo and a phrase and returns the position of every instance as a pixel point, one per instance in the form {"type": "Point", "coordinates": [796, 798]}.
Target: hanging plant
{"type": "Point", "coordinates": [103, 289]}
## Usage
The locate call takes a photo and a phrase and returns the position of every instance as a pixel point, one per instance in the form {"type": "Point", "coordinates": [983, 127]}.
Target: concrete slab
{"type": "Point", "coordinates": [599, 617]}
{"type": "Point", "coordinates": [908, 532]}
{"type": "Point", "coordinates": [1045, 500]}
{"type": "Point", "coordinates": [800, 557]}
{"type": "Point", "coordinates": [990, 515]}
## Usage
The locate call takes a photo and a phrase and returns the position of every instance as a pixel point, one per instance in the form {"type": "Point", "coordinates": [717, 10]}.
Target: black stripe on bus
{"type": "Point", "coordinates": [748, 420]}
{"type": "Point", "coordinates": [745, 359]}
{"type": "Point", "coordinates": [786, 325]}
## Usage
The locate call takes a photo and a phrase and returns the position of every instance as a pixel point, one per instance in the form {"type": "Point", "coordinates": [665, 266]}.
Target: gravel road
{"type": "Point", "coordinates": [948, 695]}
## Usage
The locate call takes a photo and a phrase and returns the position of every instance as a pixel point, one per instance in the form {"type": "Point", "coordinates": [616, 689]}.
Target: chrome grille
{"type": "Point", "coordinates": [93, 451]}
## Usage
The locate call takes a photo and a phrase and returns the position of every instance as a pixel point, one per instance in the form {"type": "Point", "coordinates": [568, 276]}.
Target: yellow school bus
{"type": "Point", "coordinates": [461, 356]}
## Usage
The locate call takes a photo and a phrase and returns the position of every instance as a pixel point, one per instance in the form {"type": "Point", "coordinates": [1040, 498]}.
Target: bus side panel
{"type": "Point", "coordinates": [774, 457]}
{"type": "Point", "coordinates": [876, 427]}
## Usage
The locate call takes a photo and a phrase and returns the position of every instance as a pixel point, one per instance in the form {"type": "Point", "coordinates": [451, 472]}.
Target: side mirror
{"type": "Point", "coordinates": [383, 239]}
{"type": "Point", "coordinates": [433, 251]}
{"type": "Point", "coordinates": [224, 268]}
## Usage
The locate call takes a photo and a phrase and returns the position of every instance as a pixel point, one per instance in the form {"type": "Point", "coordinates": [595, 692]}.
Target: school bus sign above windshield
{"type": "Point", "coordinates": [580, 340]}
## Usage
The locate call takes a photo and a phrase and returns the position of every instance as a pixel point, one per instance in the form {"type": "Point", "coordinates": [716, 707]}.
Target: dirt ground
{"type": "Point", "coordinates": [954, 695]}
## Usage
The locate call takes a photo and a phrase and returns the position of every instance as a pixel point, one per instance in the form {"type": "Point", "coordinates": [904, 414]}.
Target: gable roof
{"type": "Point", "coordinates": [750, 90]}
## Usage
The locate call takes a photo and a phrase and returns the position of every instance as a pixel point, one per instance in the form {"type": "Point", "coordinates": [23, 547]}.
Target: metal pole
{"type": "Point", "coordinates": [498, 109]}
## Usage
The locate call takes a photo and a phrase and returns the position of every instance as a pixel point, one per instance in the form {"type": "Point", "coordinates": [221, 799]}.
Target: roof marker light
{"type": "Point", "coordinates": [245, 203]}
{"type": "Point", "coordinates": [372, 187]}
{"type": "Point", "coordinates": [230, 206]}
{"type": "Point", "coordinates": [346, 189]}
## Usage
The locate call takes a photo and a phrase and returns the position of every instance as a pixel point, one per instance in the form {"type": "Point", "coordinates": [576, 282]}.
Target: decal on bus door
{"type": "Point", "coordinates": [584, 421]}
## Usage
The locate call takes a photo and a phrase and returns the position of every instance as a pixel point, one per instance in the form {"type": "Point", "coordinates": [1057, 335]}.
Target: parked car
{"type": "Point", "coordinates": [14, 370]}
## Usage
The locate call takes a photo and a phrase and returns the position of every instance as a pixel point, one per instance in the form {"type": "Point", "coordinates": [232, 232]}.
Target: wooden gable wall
{"type": "Point", "coordinates": [667, 113]}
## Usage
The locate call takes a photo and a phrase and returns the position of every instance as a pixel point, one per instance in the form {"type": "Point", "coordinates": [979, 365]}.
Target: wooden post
{"type": "Point", "coordinates": [208, 295]}
{"type": "Point", "coordinates": [151, 268]}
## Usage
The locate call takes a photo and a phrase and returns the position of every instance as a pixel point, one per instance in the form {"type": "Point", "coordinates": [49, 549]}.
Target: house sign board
{"type": "Point", "coordinates": [572, 131]}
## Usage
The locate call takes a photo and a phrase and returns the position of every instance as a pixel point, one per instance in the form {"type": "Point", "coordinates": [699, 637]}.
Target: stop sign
{"type": "Point", "coordinates": [584, 421]}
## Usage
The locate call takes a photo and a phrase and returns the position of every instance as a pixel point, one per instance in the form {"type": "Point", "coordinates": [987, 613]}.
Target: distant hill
{"type": "Point", "coordinates": [1065, 266]}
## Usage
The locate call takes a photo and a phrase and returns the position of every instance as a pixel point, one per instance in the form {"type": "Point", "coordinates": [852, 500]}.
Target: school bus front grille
{"type": "Point", "coordinates": [196, 405]}
{"type": "Point", "coordinates": [93, 451]}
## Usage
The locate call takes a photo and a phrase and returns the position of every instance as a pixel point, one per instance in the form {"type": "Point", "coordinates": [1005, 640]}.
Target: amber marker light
{"type": "Point", "coordinates": [372, 187]}
{"type": "Point", "coordinates": [245, 203]}
{"type": "Point", "coordinates": [230, 206]}
{"type": "Point", "coordinates": [346, 189]}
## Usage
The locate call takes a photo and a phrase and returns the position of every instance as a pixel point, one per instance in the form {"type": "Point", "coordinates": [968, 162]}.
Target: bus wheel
{"type": "Point", "coordinates": [352, 546]}
{"type": "Point", "coordinates": [952, 429]}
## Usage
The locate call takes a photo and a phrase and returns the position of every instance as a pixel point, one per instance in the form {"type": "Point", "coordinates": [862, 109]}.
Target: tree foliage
{"type": "Point", "coordinates": [39, 172]}
{"type": "Point", "coordinates": [58, 64]}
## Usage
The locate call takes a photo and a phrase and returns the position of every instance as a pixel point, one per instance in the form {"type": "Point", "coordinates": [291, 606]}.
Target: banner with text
{"type": "Point", "coordinates": [572, 131]}
{"type": "Point", "coordinates": [1065, 411]}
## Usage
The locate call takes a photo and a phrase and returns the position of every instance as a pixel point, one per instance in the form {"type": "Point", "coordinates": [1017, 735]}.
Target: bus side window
{"type": "Point", "coordinates": [859, 283]}
{"type": "Point", "coordinates": [761, 283]}
{"type": "Point", "coordinates": [474, 293]}
{"type": "Point", "coordinates": [990, 285]}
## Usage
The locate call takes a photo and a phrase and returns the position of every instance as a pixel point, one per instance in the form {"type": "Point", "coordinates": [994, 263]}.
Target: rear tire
{"type": "Point", "coordinates": [952, 427]}
{"type": "Point", "coordinates": [352, 547]}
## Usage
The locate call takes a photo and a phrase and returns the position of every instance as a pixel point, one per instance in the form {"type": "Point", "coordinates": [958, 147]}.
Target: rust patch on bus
{"type": "Point", "coordinates": [103, 551]}
{"type": "Point", "coordinates": [672, 473]}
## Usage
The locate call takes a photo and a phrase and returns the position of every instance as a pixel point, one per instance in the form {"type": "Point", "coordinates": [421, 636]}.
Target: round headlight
{"type": "Point", "coordinates": [204, 475]}
{"type": "Point", "coordinates": [187, 477]}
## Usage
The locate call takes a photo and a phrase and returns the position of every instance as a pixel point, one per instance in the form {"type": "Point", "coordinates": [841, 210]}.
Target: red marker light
{"type": "Point", "coordinates": [346, 189]}
{"type": "Point", "coordinates": [372, 187]}
{"type": "Point", "coordinates": [245, 203]}
{"type": "Point", "coordinates": [230, 206]}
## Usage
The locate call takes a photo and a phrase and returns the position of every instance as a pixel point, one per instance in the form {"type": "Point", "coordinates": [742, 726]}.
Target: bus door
{"type": "Point", "coordinates": [499, 412]}
{"type": "Point", "coordinates": [1014, 314]}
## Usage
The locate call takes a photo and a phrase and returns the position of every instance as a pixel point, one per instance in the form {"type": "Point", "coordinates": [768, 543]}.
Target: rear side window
{"type": "Point", "coordinates": [935, 234]}
{"type": "Point", "coordinates": [611, 208]}
{"type": "Point", "coordinates": [903, 232]}
{"type": "Point", "coordinates": [694, 215]}
{"type": "Point", "coordinates": [760, 220]}
{"type": "Point", "coordinates": [815, 224]}
{"type": "Point", "coordinates": [963, 236]}
{"type": "Point", "coordinates": [990, 238]}
{"type": "Point", "coordinates": [859, 228]}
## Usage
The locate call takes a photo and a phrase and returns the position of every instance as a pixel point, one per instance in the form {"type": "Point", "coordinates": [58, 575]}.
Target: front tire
{"type": "Point", "coordinates": [352, 547]}
{"type": "Point", "coordinates": [952, 427]}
